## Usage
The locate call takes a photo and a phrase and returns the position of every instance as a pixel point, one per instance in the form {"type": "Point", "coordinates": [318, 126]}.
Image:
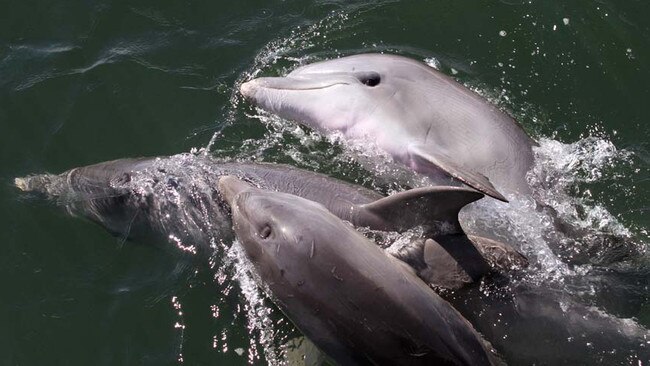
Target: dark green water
{"type": "Point", "coordinates": [84, 82]}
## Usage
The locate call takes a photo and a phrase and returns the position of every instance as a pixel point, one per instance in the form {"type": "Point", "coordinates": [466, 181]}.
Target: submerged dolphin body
{"type": "Point", "coordinates": [176, 199]}
{"type": "Point", "coordinates": [418, 115]}
{"type": "Point", "coordinates": [357, 304]}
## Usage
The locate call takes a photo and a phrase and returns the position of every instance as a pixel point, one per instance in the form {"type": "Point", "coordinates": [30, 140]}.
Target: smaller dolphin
{"type": "Point", "coordinates": [421, 117]}
{"type": "Point", "coordinates": [357, 304]}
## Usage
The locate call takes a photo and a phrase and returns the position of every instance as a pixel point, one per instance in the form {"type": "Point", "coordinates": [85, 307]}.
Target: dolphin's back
{"type": "Point", "coordinates": [316, 187]}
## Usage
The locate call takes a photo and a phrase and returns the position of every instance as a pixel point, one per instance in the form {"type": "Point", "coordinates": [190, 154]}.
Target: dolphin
{"type": "Point", "coordinates": [176, 200]}
{"type": "Point", "coordinates": [354, 302]}
{"type": "Point", "coordinates": [548, 324]}
{"type": "Point", "coordinates": [418, 115]}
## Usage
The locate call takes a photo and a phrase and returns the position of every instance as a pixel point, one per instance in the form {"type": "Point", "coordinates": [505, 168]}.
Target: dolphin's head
{"type": "Point", "coordinates": [276, 229]}
{"type": "Point", "coordinates": [421, 117]}
{"type": "Point", "coordinates": [340, 93]}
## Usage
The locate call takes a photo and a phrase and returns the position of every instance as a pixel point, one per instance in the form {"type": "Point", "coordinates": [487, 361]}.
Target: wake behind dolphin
{"type": "Point", "coordinates": [421, 117]}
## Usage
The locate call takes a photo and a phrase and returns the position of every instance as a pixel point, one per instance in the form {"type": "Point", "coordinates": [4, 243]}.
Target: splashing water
{"type": "Point", "coordinates": [278, 52]}
{"type": "Point", "coordinates": [556, 227]}
{"type": "Point", "coordinates": [257, 311]}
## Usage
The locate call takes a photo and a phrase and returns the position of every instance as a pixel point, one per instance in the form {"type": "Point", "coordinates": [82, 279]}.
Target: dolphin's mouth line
{"type": "Point", "coordinates": [312, 82]}
{"type": "Point", "coordinates": [302, 88]}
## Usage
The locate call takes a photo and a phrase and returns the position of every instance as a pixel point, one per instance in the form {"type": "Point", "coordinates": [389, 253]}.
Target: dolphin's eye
{"type": "Point", "coordinates": [369, 78]}
{"type": "Point", "coordinates": [265, 232]}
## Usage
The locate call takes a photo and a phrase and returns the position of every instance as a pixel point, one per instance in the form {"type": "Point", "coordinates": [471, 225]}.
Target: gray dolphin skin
{"type": "Point", "coordinates": [120, 194]}
{"type": "Point", "coordinates": [354, 302]}
{"type": "Point", "coordinates": [420, 116]}
{"type": "Point", "coordinates": [176, 199]}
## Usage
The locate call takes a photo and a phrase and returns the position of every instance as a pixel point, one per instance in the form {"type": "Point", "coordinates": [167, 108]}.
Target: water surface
{"type": "Point", "coordinates": [84, 82]}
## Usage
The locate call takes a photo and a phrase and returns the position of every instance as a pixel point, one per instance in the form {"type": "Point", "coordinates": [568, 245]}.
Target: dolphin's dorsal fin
{"type": "Point", "coordinates": [424, 161]}
{"type": "Point", "coordinates": [430, 207]}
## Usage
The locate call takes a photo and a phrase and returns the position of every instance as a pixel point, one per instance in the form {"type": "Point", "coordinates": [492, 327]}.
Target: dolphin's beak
{"type": "Point", "coordinates": [302, 82]}
{"type": "Point", "coordinates": [249, 88]}
{"type": "Point", "coordinates": [22, 184]}
{"type": "Point", "coordinates": [230, 187]}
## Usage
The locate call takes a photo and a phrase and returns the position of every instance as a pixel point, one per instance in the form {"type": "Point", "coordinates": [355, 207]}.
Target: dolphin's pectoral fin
{"type": "Point", "coordinates": [453, 261]}
{"type": "Point", "coordinates": [422, 159]}
{"type": "Point", "coordinates": [434, 208]}
{"type": "Point", "coordinates": [444, 269]}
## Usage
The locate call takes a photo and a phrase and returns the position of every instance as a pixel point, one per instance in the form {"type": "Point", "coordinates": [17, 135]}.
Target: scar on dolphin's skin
{"type": "Point", "coordinates": [335, 276]}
